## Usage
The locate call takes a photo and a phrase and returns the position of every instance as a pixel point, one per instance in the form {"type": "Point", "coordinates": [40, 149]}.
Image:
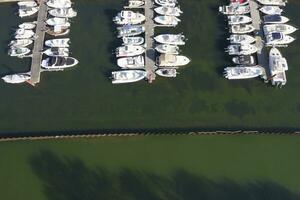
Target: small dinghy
{"type": "Point", "coordinates": [129, 50]}
{"type": "Point", "coordinates": [27, 11]}
{"type": "Point", "coordinates": [244, 60]}
{"type": "Point", "coordinates": [56, 21]}
{"type": "Point", "coordinates": [128, 76]}
{"type": "Point", "coordinates": [23, 34]}
{"type": "Point", "coordinates": [63, 12]}
{"type": "Point", "coordinates": [129, 17]}
{"type": "Point", "coordinates": [167, 48]}
{"type": "Point", "coordinates": [136, 62]}
{"type": "Point", "coordinates": [241, 49]}
{"type": "Point", "coordinates": [169, 60]}
{"type": "Point", "coordinates": [27, 4]}
{"type": "Point", "coordinates": [130, 30]}
{"type": "Point", "coordinates": [62, 42]}
{"type": "Point", "coordinates": [20, 43]}
{"type": "Point", "coordinates": [59, 63]}
{"type": "Point", "coordinates": [282, 28]}
{"type": "Point", "coordinates": [167, 20]}
{"type": "Point", "coordinates": [239, 19]}
{"type": "Point", "coordinates": [57, 52]}
{"type": "Point", "coordinates": [175, 39]}
{"type": "Point", "coordinates": [166, 72]}
{"type": "Point", "coordinates": [234, 9]}
{"type": "Point", "coordinates": [133, 40]}
{"type": "Point", "coordinates": [16, 78]}
{"type": "Point", "coordinates": [275, 19]}
{"type": "Point", "coordinates": [241, 39]}
{"type": "Point", "coordinates": [170, 11]}
{"type": "Point", "coordinates": [242, 28]}
{"type": "Point", "coordinates": [243, 72]}
{"type": "Point", "coordinates": [272, 2]}
{"type": "Point", "coordinates": [278, 39]}
{"type": "Point", "coordinates": [271, 10]}
{"type": "Point", "coordinates": [58, 31]}
{"type": "Point", "coordinates": [166, 3]}
{"type": "Point", "coordinates": [135, 3]}
{"type": "Point", "coordinates": [59, 3]}
{"type": "Point", "coordinates": [18, 51]}
{"type": "Point", "coordinates": [27, 25]}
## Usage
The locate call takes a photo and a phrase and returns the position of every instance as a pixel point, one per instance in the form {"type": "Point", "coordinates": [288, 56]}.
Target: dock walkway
{"type": "Point", "coordinates": [262, 56]}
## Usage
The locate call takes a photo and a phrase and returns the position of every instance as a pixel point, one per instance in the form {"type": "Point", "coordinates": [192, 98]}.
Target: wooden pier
{"type": "Point", "coordinates": [149, 41]}
{"type": "Point", "coordinates": [262, 54]}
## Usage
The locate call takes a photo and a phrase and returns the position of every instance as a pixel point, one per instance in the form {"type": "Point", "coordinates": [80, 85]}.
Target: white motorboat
{"type": "Point", "coordinates": [18, 51]}
{"type": "Point", "coordinates": [130, 30]}
{"type": "Point", "coordinates": [244, 60]}
{"type": "Point", "coordinates": [170, 11]}
{"type": "Point", "coordinates": [23, 34]}
{"type": "Point", "coordinates": [129, 50]}
{"type": "Point", "coordinates": [243, 72]}
{"type": "Point", "coordinates": [20, 43]}
{"type": "Point", "coordinates": [167, 20]}
{"type": "Point", "coordinates": [136, 62]}
{"type": "Point", "coordinates": [169, 60]}
{"type": "Point", "coordinates": [239, 19]}
{"type": "Point", "coordinates": [59, 3]}
{"type": "Point", "coordinates": [135, 3]}
{"type": "Point", "coordinates": [27, 4]}
{"type": "Point", "coordinates": [133, 40]}
{"type": "Point", "coordinates": [242, 28]}
{"type": "Point", "coordinates": [241, 49]}
{"type": "Point", "coordinates": [278, 65]}
{"type": "Point", "coordinates": [241, 39]}
{"type": "Point", "coordinates": [27, 25]}
{"type": "Point", "coordinates": [129, 17]}
{"type": "Point", "coordinates": [57, 21]}
{"type": "Point", "coordinates": [278, 39]}
{"type": "Point", "coordinates": [128, 76]}
{"type": "Point", "coordinates": [234, 9]}
{"type": "Point", "coordinates": [58, 31]}
{"type": "Point", "coordinates": [239, 2]}
{"type": "Point", "coordinates": [167, 48]}
{"type": "Point", "coordinates": [27, 11]}
{"type": "Point", "coordinates": [166, 72]}
{"type": "Point", "coordinates": [282, 28]}
{"type": "Point", "coordinates": [273, 2]}
{"type": "Point", "coordinates": [175, 39]}
{"type": "Point", "coordinates": [16, 78]}
{"type": "Point", "coordinates": [59, 63]}
{"type": "Point", "coordinates": [57, 52]}
{"type": "Point", "coordinates": [275, 19]}
{"type": "Point", "coordinates": [63, 12]}
{"type": "Point", "coordinates": [62, 42]}
{"type": "Point", "coordinates": [271, 10]}
{"type": "Point", "coordinates": [166, 3]}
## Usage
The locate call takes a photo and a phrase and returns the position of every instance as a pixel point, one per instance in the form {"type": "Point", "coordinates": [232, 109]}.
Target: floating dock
{"type": "Point", "coordinates": [149, 40]}
{"type": "Point", "coordinates": [262, 55]}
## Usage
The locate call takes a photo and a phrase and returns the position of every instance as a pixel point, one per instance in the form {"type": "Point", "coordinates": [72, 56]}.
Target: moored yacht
{"type": "Point", "coordinates": [130, 30]}
{"type": "Point", "coordinates": [278, 39]}
{"type": "Point", "coordinates": [169, 60]}
{"type": "Point", "coordinates": [242, 28]}
{"type": "Point", "coordinates": [171, 11]}
{"type": "Point", "coordinates": [63, 12]}
{"type": "Point", "coordinates": [16, 78]}
{"type": "Point", "coordinates": [275, 19]}
{"type": "Point", "coordinates": [234, 9]}
{"type": "Point", "coordinates": [273, 2]}
{"type": "Point", "coordinates": [282, 28]}
{"type": "Point", "coordinates": [129, 50]}
{"type": "Point", "coordinates": [166, 72]}
{"type": "Point", "coordinates": [175, 39]}
{"type": "Point", "coordinates": [241, 49]}
{"type": "Point", "coordinates": [23, 34]}
{"type": "Point", "coordinates": [18, 51]}
{"type": "Point", "coordinates": [27, 4]}
{"type": "Point", "coordinates": [271, 10]}
{"type": "Point", "coordinates": [128, 76]}
{"type": "Point", "coordinates": [58, 31]}
{"type": "Point", "coordinates": [166, 3]}
{"type": "Point", "coordinates": [20, 43]}
{"type": "Point", "coordinates": [241, 39]}
{"type": "Point", "coordinates": [136, 62]}
{"type": "Point", "coordinates": [167, 20]}
{"type": "Point", "coordinates": [129, 17]}
{"type": "Point", "coordinates": [59, 63]}
{"type": "Point", "coordinates": [59, 3]}
{"type": "Point", "coordinates": [27, 11]}
{"type": "Point", "coordinates": [27, 25]}
{"type": "Point", "coordinates": [57, 52]}
{"type": "Point", "coordinates": [57, 21]}
{"type": "Point", "coordinates": [133, 40]}
{"type": "Point", "coordinates": [239, 2]}
{"type": "Point", "coordinates": [135, 3]}
{"type": "Point", "coordinates": [61, 42]}
{"type": "Point", "coordinates": [238, 19]}
{"type": "Point", "coordinates": [243, 72]}
{"type": "Point", "coordinates": [167, 48]}
{"type": "Point", "coordinates": [244, 60]}
{"type": "Point", "coordinates": [278, 65]}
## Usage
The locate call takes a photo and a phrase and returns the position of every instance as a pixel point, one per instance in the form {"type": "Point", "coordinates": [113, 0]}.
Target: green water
{"type": "Point", "coordinates": [199, 98]}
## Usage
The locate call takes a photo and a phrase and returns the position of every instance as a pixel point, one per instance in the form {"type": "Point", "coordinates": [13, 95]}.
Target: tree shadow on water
{"type": "Point", "coordinates": [70, 179]}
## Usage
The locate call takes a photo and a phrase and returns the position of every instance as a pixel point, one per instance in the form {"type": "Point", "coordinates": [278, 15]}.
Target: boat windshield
{"type": "Point", "coordinates": [276, 36]}
{"type": "Point", "coordinates": [272, 18]}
